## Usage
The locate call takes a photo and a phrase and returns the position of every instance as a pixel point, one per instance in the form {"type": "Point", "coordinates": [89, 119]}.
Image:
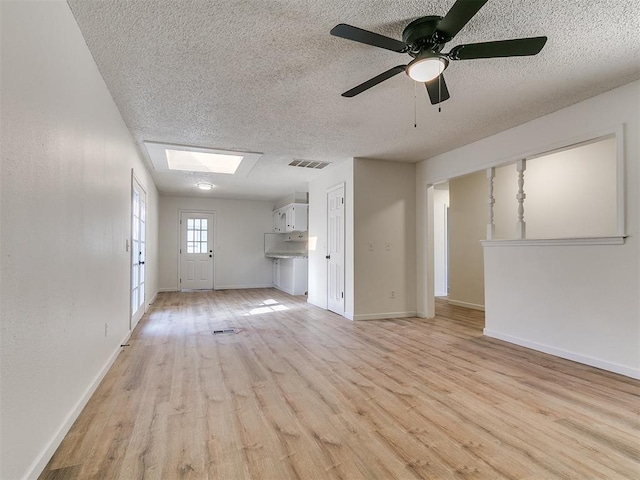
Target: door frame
{"type": "Point", "coordinates": [339, 186]}
{"type": "Point", "coordinates": [213, 239]}
{"type": "Point", "coordinates": [135, 181]}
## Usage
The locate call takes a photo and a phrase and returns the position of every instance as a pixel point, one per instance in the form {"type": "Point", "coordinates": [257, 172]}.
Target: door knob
{"type": "Point", "coordinates": [328, 257]}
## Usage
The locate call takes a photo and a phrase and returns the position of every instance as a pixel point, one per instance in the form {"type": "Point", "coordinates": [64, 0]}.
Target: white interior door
{"type": "Point", "coordinates": [138, 251]}
{"type": "Point", "coordinates": [335, 250]}
{"type": "Point", "coordinates": [196, 251]}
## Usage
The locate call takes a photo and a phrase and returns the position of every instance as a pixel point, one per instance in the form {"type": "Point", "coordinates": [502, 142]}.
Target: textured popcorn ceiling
{"type": "Point", "coordinates": [266, 76]}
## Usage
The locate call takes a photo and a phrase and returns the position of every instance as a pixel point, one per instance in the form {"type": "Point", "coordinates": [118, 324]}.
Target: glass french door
{"type": "Point", "coordinates": [138, 251]}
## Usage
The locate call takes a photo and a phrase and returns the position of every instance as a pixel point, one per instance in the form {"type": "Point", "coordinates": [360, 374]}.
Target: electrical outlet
{"type": "Point", "coordinates": [371, 246]}
{"type": "Point", "coordinates": [106, 329]}
{"type": "Point", "coordinates": [387, 246]}
{"type": "Point", "coordinates": [393, 294]}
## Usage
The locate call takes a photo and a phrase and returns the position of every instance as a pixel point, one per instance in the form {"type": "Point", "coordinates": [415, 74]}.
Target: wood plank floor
{"type": "Point", "coordinates": [301, 393]}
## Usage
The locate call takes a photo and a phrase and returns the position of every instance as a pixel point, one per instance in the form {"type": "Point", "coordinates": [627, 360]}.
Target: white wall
{"type": "Point", "coordinates": [240, 226]}
{"type": "Point", "coordinates": [440, 240]}
{"type": "Point", "coordinates": [334, 175]}
{"type": "Point", "coordinates": [384, 236]}
{"type": "Point", "coordinates": [579, 302]}
{"type": "Point", "coordinates": [66, 191]}
{"type": "Point", "coordinates": [467, 227]}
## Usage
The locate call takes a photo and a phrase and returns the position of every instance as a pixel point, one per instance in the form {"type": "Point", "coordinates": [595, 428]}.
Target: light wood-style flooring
{"type": "Point", "coordinates": [301, 393]}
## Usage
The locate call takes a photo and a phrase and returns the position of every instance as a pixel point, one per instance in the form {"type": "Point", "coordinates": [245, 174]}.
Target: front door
{"type": "Point", "coordinates": [138, 251]}
{"type": "Point", "coordinates": [335, 250]}
{"type": "Point", "coordinates": [196, 251]}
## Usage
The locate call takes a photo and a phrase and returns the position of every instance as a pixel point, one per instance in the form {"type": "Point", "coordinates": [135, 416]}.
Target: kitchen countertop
{"type": "Point", "coordinates": [285, 255]}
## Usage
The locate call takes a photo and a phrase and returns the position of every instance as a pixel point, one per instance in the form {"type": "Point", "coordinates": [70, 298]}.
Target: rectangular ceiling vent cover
{"type": "Point", "coordinates": [308, 164]}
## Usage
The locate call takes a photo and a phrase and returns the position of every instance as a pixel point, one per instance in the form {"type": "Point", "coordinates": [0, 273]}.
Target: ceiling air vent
{"type": "Point", "coordinates": [308, 164]}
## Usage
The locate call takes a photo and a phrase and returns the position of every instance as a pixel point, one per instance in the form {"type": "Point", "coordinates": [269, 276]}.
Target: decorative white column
{"type": "Point", "coordinates": [491, 227]}
{"type": "Point", "coordinates": [521, 166]}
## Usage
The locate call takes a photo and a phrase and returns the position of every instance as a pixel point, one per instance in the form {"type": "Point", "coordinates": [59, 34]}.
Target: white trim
{"type": "Point", "coordinates": [620, 181]}
{"type": "Point", "coordinates": [474, 306]}
{"type": "Point", "coordinates": [558, 352]}
{"type": "Point", "coordinates": [155, 152]}
{"type": "Point", "coordinates": [336, 187]}
{"type": "Point", "coordinates": [554, 242]}
{"type": "Point", "coordinates": [168, 289]}
{"type": "Point", "coordinates": [384, 316]}
{"type": "Point", "coordinates": [41, 460]}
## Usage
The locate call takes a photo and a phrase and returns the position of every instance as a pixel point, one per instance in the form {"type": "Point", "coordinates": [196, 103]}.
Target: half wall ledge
{"type": "Point", "coordinates": [618, 240]}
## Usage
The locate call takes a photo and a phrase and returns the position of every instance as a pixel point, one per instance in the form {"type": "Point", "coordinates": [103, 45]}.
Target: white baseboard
{"type": "Point", "coordinates": [382, 316]}
{"type": "Point", "coordinates": [150, 302]}
{"type": "Point", "coordinates": [474, 306]}
{"type": "Point", "coordinates": [290, 292]}
{"type": "Point", "coordinates": [242, 287]}
{"type": "Point", "coordinates": [558, 352]}
{"type": "Point", "coordinates": [222, 287]}
{"type": "Point", "coordinates": [41, 461]}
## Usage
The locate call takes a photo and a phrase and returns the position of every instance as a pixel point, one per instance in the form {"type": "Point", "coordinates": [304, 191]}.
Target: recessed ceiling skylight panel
{"type": "Point", "coordinates": [202, 162]}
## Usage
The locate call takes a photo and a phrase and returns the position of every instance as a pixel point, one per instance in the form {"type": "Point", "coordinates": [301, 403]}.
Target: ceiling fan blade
{"type": "Point", "coordinates": [518, 47]}
{"type": "Point", "coordinates": [374, 81]}
{"type": "Point", "coordinates": [364, 36]}
{"type": "Point", "coordinates": [457, 17]}
{"type": "Point", "coordinates": [437, 90]}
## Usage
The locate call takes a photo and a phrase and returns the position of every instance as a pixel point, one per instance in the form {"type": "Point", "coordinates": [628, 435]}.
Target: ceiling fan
{"type": "Point", "coordinates": [424, 40]}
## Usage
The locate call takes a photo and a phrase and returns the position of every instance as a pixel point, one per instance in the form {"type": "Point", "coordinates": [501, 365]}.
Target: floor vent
{"type": "Point", "coordinates": [226, 331]}
{"type": "Point", "coordinates": [308, 164]}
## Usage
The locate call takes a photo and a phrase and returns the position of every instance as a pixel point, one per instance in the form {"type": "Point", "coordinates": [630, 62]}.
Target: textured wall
{"type": "Point", "coordinates": [66, 191]}
{"type": "Point", "coordinates": [239, 231]}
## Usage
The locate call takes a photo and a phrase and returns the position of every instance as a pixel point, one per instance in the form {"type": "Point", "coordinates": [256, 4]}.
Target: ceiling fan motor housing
{"type": "Point", "coordinates": [419, 35]}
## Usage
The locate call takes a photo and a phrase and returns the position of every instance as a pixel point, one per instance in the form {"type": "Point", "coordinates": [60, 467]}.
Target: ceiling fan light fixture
{"type": "Point", "coordinates": [423, 69]}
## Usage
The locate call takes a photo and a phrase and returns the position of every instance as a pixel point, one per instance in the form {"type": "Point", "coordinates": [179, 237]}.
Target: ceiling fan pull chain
{"type": "Point", "coordinates": [440, 93]}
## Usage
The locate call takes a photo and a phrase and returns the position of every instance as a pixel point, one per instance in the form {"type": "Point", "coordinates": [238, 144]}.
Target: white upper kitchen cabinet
{"type": "Point", "coordinates": [296, 216]}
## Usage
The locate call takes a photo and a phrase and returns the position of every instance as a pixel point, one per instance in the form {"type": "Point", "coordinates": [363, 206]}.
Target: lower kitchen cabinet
{"type": "Point", "coordinates": [290, 275]}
